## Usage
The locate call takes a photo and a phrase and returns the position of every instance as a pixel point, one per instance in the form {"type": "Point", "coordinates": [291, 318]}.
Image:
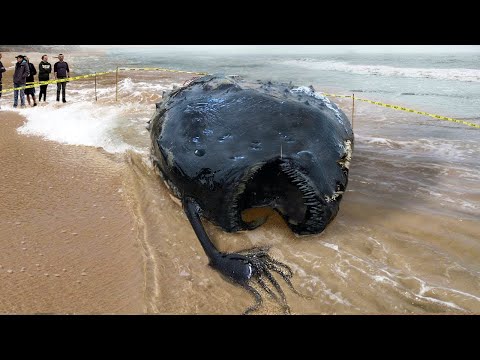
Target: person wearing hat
{"type": "Point", "coordinates": [2, 70]}
{"type": "Point", "coordinates": [20, 75]}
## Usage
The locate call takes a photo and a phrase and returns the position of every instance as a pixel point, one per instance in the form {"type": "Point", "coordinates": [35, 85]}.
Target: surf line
{"type": "Point", "coordinates": [395, 107]}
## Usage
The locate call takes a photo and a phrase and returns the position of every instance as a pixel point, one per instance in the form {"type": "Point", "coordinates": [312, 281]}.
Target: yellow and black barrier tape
{"type": "Point", "coordinates": [35, 84]}
{"type": "Point", "coordinates": [395, 107]}
{"type": "Point", "coordinates": [31, 85]}
{"type": "Point", "coordinates": [336, 95]}
{"type": "Point", "coordinates": [402, 108]}
{"type": "Point", "coordinates": [163, 69]}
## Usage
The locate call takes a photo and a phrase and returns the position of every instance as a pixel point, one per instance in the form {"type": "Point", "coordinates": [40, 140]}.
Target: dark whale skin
{"type": "Point", "coordinates": [210, 137]}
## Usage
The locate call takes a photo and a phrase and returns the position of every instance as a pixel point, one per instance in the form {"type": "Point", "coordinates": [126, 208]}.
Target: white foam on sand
{"type": "Point", "coordinates": [108, 124]}
{"type": "Point", "coordinates": [81, 123]}
{"type": "Point", "coordinates": [452, 150]}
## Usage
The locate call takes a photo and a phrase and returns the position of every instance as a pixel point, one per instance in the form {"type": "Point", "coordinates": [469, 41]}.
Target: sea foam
{"type": "Point", "coordinates": [81, 123]}
{"type": "Point", "coordinates": [458, 74]}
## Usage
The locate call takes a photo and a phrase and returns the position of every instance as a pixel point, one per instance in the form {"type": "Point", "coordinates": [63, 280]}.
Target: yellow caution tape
{"type": "Point", "coordinates": [31, 85]}
{"type": "Point", "coordinates": [340, 96]}
{"type": "Point", "coordinates": [395, 107]}
{"type": "Point", "coordinates": [162, 69]}
{"type": "Point", "coordinates": [402, 108]}
{"type": "Point", "coordinates": [35, 84]}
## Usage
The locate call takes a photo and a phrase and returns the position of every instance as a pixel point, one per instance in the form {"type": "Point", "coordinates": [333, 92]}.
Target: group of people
{"type": "Point", "coordinates": [24, 75]}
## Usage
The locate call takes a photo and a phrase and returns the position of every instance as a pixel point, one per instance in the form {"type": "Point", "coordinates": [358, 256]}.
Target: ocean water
{"type": "Point", "coordinates": [407, 237]}
{"type": "Point", "coordinates": [444, 82]}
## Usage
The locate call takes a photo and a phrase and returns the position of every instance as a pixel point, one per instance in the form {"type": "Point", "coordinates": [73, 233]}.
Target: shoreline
{"type": "Point", "coordinates": [67, 234]}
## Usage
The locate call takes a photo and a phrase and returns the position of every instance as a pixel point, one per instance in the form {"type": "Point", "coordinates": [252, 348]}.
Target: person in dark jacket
{"type": "Point", "coordinates": [61, 71]}
{"type": "Point", "coordinates": [44, 70]}
{"type": "Point", "coordinates": [2, 70]}
{"type": "Point", "coordinates": [20, 75]}
{"type": "Point", "coordinates": [30, 80]}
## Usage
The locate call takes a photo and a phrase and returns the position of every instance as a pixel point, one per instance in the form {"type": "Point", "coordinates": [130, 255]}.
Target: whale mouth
{"type": "Point", "coordinates": [282, 186]}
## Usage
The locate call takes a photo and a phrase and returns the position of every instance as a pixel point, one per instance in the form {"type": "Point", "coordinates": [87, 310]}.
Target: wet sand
{"type": "Point", "coordinates": [67, 235]}
{"type": "Point", "coordinates": [376, 257]}
{"type": "Point", "coordinates": [393, 248]}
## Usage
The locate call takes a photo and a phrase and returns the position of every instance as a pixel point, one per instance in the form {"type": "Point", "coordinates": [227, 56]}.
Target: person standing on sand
{"type": "Point", "coordinates": [30, 81]}
{"type": "Point", "coordinates": [2, 70]}
{"type": "Point", "coordinates": [61, 71]}
{"type": "Point", "coordinates": [44, 70]}
{"type": "Point", "coordinates": [20, 75]}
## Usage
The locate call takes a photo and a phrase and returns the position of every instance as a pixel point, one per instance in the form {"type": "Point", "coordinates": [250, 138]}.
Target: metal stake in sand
{"type": "Point", "coordinates": [353, 107]}
{"type": "Point", "coordinates": [95, 86]}
{"type": "Point", "coordinates": [116, 85]}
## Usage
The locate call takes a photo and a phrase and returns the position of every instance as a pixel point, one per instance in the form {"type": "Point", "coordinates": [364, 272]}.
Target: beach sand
{"type": "Point", "coordinates": [67, 242]}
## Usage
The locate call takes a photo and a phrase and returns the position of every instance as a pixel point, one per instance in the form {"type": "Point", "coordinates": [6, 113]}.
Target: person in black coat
{"type": "Point", "coordinates": [44, 70]}
{"type": "Point", "coordinates": [30, 80]}
{"type": "Point", "coordinates": [20, 75]}
{"type": "Point", "coordinates": [61, 71]}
